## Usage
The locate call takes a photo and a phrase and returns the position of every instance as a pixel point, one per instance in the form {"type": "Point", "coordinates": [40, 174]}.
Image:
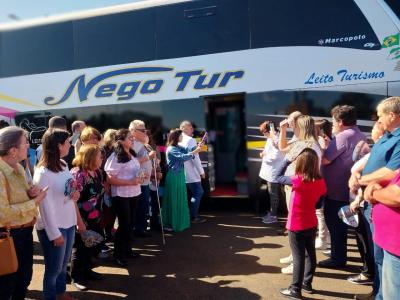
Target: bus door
{"type": "Point", "coordinates": [227, 154]}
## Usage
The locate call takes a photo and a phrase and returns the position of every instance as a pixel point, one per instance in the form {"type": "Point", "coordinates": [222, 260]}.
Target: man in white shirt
{"type": "Point", "coordinates": [144, 155]}
{"type": "Point", "coordinates": [194, 172]}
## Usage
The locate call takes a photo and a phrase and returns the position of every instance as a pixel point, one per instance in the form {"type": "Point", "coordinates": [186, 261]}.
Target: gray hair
{"type": "Point", "coordinates": [184, 124]}
{"type": "Point", "coordinates": [391, 104]}
{"type": "Point", "coordinates": [135, 124]}
{"type": "Point", "coordinates": [76, 125]}
{"type": "Point", "coordinates": [10, 138]}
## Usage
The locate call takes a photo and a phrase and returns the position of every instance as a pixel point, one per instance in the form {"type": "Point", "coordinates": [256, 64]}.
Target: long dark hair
{"type": "Point", "coordinates": [120, 153]}
{"type": "Point", "coordinates": [173, 137]}
{"type": "Point", "coordinates": [51, 159]}
{"type": "Point", "coordinates": [307, 165]}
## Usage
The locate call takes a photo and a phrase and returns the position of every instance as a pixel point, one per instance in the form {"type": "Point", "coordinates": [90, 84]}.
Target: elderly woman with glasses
{"type": "Point", "coordinates": [18, 209]}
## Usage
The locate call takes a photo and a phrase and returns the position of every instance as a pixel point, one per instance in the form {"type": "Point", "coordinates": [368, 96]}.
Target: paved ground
{"type": "Point", "coordinates": [231, 256]}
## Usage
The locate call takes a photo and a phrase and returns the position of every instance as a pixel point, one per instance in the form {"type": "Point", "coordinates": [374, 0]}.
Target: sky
{"type": "Point", "coordinates": [10, 10]}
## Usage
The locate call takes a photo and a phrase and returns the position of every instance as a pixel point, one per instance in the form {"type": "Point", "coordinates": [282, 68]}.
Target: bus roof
{"type": "Point", "coordinates": [86, 14]}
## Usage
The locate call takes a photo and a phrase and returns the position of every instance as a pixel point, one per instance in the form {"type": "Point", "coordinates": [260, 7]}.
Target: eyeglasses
{"type": "Point", "coordinates": [142, 130]}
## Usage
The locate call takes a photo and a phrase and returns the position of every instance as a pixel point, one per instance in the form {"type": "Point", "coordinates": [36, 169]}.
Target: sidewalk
{"type": "Point", "coordinates": [231, 256]}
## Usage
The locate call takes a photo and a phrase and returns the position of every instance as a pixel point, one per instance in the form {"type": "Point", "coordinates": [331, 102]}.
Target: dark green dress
{"type": "Point", "coordinates": [175, 209]}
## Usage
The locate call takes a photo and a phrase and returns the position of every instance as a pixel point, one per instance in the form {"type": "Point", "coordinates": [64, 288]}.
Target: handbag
{"type": "Point", "coordinates": [91, 238]}
{"type": "Point", "coordinates": [9, 261]}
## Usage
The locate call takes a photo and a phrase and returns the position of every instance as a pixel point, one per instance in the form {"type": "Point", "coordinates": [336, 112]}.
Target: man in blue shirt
{"type": "Point", "coordinates": [382, 164]}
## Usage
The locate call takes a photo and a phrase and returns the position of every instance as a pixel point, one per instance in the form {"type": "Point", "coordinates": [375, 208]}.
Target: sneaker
{"type": "Point", "coordinates": [287, 270]}
{"type": "Point", "coordinates": [198, 221]}
{"type": "Point", "coordinates": [327, 253]}
{"type": "Point", "coordinates": [320, 244]}
{"type": "Point", "coordinates": [360, 279]}
{"type": "Point", "coordinates": [266, 216]}
{"type": "Point", "coordinates": [288, 293]}
{"type": "Point", "coordinates": [286, 260]}
{"type": "Point", "coordinates": [270, 219]}
{"type": "Point", "coordinates": [307, 288]}
{"type": "Point", "coordinates": [79, 285]}
{"type": "Point", "coordinates": [369, 296]}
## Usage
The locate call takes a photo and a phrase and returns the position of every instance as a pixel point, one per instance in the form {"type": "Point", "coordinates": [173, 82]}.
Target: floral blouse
{"type": "Point", "coordinates": [91, 188]}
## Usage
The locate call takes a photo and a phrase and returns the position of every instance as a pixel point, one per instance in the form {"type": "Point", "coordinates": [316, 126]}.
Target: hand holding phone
{"type": "Point", "coordinates": [271, 127]}
{"type": "Point", "coordinates": [204, 138]}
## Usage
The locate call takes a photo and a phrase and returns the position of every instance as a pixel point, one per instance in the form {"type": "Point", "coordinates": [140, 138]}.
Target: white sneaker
{"type": "Point", "coordinates": [270, 219]}
{"type": "Point", "coordinates": [327, 253]}
{"type": "Point", "coordinates": [288, 270]}
{"type": "Point", "coordinates": [286, 260]}
{"type": "Point", "coordinates": [320, 244]}
{"type": "Point", "coordinates": [266, 216]}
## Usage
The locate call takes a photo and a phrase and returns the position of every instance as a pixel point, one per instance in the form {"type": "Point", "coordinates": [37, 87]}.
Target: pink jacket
{"type": "Point", "coordinates": [304, 198]}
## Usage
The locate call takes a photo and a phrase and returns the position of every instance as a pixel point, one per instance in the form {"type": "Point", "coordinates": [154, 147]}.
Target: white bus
{"type": "Point", "coordinates": [226, 65]}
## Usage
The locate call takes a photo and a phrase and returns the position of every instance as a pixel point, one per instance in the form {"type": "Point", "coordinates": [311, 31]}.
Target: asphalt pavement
{"type": "Point", "coordinates": [231, 256]}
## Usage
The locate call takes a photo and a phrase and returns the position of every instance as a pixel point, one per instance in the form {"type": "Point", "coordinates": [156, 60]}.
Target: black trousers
{"type": "Point", "coordinates": [302, 244]}
{"type": "Point", "coordinates": [14, 286]}
{"type": "Point", "coordinates": [337, 229]}
{"type": "Point", "coordinates": [363, 234]}
{"type": "Point", "coordinates": [125, 209]}
{"type": "Point", "coordinates": [81, 258]}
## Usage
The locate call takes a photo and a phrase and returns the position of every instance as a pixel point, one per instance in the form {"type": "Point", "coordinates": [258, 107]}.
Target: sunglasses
{"type": "Point", "coordinates": [142, 130]}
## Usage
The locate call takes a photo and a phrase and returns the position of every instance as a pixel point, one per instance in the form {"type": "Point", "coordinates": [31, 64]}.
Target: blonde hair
{"type": "Point", "coordinates": [307, 130]}
{"type": "Point", "coordinates": [88, 133]}
{"type": "Point", "coordinates": [109, 138]}
{"type": "Point", "coordinates": [86, 157]}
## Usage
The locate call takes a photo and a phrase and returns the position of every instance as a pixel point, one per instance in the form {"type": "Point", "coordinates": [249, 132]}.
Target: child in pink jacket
{"type": "Point", "coordinates": [307, 188]}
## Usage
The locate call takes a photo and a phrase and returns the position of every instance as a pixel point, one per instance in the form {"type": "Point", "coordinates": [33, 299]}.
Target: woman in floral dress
{"type": "Point", "coordinates": [89, 181]}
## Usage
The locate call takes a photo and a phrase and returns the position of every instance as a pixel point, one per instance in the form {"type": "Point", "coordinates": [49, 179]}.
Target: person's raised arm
{"type": "Point", "coordinates": [283, 144]}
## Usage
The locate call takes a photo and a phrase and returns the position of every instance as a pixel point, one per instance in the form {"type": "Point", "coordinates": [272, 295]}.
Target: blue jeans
{"type": "Point", "coordinates": [197, 192]}
{"type": "Point", "coordinates": [378, 254]}
{"type": "Point", "coordinates": [55, 261]}
{"type": "Point", "coordinates": [390, 276]}
{"type": "Point", "coordinates": [143, 208]}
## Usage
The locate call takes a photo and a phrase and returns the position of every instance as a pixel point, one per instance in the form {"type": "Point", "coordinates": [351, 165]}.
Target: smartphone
{"type": "Point", "coordinates": [204, 138]}
{"type": "Point", "coordinates": [271, 127]}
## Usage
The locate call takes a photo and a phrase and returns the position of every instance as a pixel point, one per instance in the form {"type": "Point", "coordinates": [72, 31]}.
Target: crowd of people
{"type": "Point", "coordinates": [329, 175]}
{"type": "Point", "coordinates": [81, 185]}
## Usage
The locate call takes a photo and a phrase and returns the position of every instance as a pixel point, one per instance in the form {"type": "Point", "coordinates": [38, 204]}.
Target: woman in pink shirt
{"type": "Point", "coordinates": [386, 219]}
{"type": "Point", "coordinates": [307, 188]}
{"type": "Point", "coordinates": [122, 168]}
